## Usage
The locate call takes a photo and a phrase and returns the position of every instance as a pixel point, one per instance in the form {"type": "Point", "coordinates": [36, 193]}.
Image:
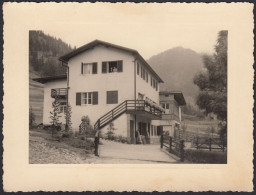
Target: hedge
{"type": "Point", "coordinates": [204, 156]}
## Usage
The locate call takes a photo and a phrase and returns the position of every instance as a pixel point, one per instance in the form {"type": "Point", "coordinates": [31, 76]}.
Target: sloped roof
{"type": "Point", "coordinates": [178, 96]}
{"type": "Point", "coordinates": [94, 43]}
{"type": "Point", "coordinates": [51, 78]}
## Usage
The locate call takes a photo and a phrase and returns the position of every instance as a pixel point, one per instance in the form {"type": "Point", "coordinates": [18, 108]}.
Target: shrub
{"type": "Point", "coordinates": [85, 128]}
{"type": "Point", "coordinates": [119, 138]}
{"type": "Point", "coordinates": [67, 134]}
{"type": "Point", "coordinates": [80, 143]}
{"type": "Point", "coordinates": [204, 156]}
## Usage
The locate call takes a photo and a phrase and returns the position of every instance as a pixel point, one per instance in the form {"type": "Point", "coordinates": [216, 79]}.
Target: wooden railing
{"type": "Point", "coordinates": [58, 92]}
{"type": "Point", "coordinates": [175, 147]}
{"type": "Point", "coordinates": [128, 105]}
{"type": "Point", "coordinates": [171, 117]}
{"type": "Point", "coordinates": [210, 144]}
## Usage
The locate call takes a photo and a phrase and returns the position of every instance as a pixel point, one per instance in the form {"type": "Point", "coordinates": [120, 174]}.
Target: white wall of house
{"type": "Point", "coordinates": [48, 100]}
{"type": "Point", "coordinates": [123, 82]}
{"type": "Point", "coordinates": [120, 124]}
{"type": "Point", "coordinates": [144, 87]}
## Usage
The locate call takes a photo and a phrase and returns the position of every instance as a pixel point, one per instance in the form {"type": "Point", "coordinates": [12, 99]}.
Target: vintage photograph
{"type": "Point", "coordinates": [96, 101]}
{"type": "Point", "coordinates": [128, 97]}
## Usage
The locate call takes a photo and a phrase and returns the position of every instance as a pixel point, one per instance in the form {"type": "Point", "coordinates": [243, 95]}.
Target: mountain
{"type": "Point", "coordinates": [44, 51]}
{"type": "Point", "coordinates": [177, 67]}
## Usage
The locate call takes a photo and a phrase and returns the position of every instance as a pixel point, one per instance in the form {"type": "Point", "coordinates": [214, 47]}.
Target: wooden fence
{"type": "Point", "coordinates": [209, 143]}
{"type": "Point", "coordinates": [175, 147]}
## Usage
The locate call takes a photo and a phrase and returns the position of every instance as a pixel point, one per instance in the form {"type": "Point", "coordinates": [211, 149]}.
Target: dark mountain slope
{"type": "Point", "coordinates": [177, 67]}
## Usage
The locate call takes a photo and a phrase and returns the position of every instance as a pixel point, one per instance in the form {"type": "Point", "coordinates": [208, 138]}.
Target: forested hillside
{"type": "Point", "coordinates": [44, 51]}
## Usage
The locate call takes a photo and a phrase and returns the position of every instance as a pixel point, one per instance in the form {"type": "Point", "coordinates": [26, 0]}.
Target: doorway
{"type": "Point", "coordinates": [132, 132]}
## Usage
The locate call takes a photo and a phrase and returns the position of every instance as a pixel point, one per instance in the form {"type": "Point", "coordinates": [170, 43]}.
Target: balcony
{"type": "Point", "coordinates": [60, 93]}
{"type": "Point", "coordinates": [138, 107]}
{"type": "Point", "coordinates": [170, 117]}
{"type": "Point", "coordinates": [145, 108]}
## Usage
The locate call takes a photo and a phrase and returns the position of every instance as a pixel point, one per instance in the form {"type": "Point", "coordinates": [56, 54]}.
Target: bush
{"type": "Point", "coordinates": [67, 134]}
{"type": "Point", "coordinates": [119, 138]}
{"type": "Point", "coordinates": [80, 143]}
{"type": "Point", "coordinates": [204, 156]}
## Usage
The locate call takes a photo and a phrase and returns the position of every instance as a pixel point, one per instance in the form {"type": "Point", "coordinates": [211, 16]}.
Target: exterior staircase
{"type": "Point", "coordinates": [125, 107]}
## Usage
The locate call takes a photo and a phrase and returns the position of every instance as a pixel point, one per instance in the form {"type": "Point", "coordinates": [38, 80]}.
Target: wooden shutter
{"type": "Point", "coordinates": [112, 97]}
{"type": "Point", "coordinates": [82, 68]}
{"type": "Point", "coordinates": [119, 66]}
{"type": "Point", "coordinates": [104, 67]}
{"type": "Point", "coordinates": [138, 68]}
{"type": "Point", "coordinates": [94, 68]}
{"type": "Point", "coordinates": [78, 99]}
{"type": "Point", "coordinates": [94, 97]}
{"type": "Point", "coordinates": [109, 97]}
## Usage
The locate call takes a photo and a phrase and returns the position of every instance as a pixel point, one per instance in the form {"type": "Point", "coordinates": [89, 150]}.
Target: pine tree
{"type": "Point", "coordinates": [213, 83]}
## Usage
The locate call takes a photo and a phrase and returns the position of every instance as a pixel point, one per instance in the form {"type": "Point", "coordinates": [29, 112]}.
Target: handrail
{"type": "Point", "coordinates": [127, 105]}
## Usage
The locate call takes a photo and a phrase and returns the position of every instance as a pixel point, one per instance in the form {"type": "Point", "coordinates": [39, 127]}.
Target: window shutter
{"type": "Point", "coordinates": [82, 68]}
{"type": "Point", "coordinates": [112, 97]}
{"type": "Point", "coordinates": [94, 68]}
{"type": "Point", "coordinates": [138, 68]}
{"type": "Point", "coordinates": [78, 99]}
{"type": "Point", "coordinates": [104, 67]}
{"type": "Point", "coordinates": [119, 66]}
{"type": "Point", "coordinates": [95, 97]}
{"type": "Point", "coordinates": [108, 97]}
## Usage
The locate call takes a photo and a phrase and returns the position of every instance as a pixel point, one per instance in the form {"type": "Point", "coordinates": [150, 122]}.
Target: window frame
{"type": "Point", "coordinates": [107, 68]}
{"type": "Point", "coordinates": [83, 68]}
{"type": "Point", "coordinates": [86, 98]}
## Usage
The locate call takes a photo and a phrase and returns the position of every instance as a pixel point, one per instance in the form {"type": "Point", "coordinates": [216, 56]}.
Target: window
{"type": "Point", "coordinates": [89, 68]}
{"type": "Point", "coordinates": [112, 97]}
{"type": "Point", "coordinates": [156, 85]}
{"type": "Point", "coordinates": [143, 74]}
{"type": "Point", "coordinates": [146, 76]}
{"type": "Point", "coordinates": [151, 81]}
{"type": "Point", "coordinates": [87, 98]}
{"type": "Point", "coordinates": [165, 106]}
{"type": "Point", "coordinates": [138, 68]}
{"type": "Point", "coordinates": [62, 107]}
{"type": "Point", "coordinates": [112, 66]}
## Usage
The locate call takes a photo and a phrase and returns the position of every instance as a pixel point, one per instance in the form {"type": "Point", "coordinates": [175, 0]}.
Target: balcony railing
{"type": "Point", "coordinates": [129, 106]}
{"type": "Point", "coordinates": [59, 93]}
{"type": "Point", "coordinates": [170, 117]}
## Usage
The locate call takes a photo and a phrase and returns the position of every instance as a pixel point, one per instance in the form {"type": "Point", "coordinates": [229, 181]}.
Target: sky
{"type": "Point", "coordinates": [147, 28]}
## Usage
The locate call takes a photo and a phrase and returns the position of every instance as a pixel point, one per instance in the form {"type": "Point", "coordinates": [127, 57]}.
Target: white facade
{"type": "Point", "coordinates": [135, 81]}
{"type": "Point", "coordinates": [100, 82]}
{"type": "Point", "coordinates": [48, 100]}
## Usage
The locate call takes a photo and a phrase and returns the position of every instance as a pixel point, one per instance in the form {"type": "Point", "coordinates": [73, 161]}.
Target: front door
{"type": "Point", "coordinates": [132, 132]}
